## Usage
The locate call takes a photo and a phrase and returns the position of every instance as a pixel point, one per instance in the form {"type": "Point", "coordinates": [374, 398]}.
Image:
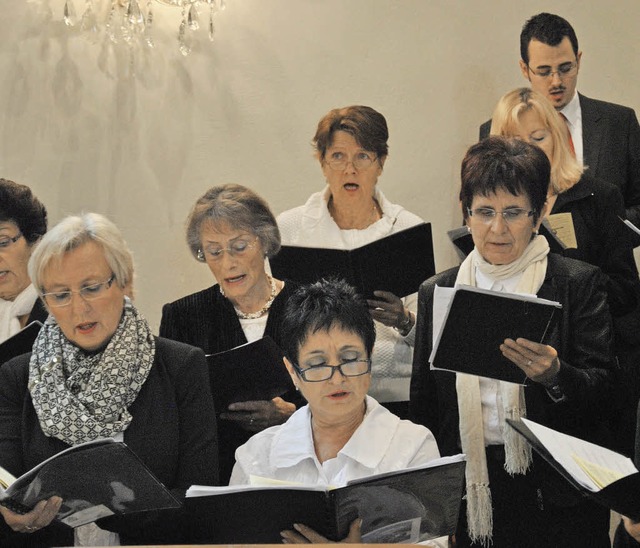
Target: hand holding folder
{"type": "Point", "coordinates": [470, 324]}
{"type": "Point", "coordinates": [410, 505]}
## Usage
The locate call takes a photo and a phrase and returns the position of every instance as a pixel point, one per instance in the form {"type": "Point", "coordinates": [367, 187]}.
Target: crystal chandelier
{"type": "Point", "coordinates": [132, 21]}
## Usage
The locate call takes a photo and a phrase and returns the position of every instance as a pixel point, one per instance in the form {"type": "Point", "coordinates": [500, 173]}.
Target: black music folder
{"type": "Point", "coordinates": [406, 506]}
{"type": "Point", "coordinates": [398, 263]}
{"type": "Point", "coordinates": [252, 371]}
{"type": "Point", "coordinates": [463, 242]}
{"type": "Point", "coordinates": [95, 479]}
{"type": "Point", "coordinates": [477, 321]}
{"type": "Point", "coordinates": [596, 472]}
{"type": "Point", "coordinates": [20, 343]}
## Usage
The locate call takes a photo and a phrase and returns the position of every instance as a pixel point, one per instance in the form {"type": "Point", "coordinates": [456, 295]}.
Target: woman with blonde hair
{"type": "Point", "coordinates": [590, 212]}
{"type": "Point", "coordinates": [596, 232]}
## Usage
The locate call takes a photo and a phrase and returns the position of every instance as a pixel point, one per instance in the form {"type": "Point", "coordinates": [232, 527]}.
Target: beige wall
{"type": "Point", "coordinates": [244, 110]}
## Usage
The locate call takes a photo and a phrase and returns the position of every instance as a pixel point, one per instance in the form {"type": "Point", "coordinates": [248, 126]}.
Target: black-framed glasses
{"type": "Point", "coordinates": [349, 368]}
{"type": "Point", "coordinates": [6, 241]}
{"type": "Point", "coordinates": [486, 215]}
{"type": "Point", "coordinates": [565, 69]}
{"type": "Point", "coordinates": [236, 248]}
{"type": "Point", "coordinates": [361, 161]}
{"type": "Point", "coordinates": [90, 292]}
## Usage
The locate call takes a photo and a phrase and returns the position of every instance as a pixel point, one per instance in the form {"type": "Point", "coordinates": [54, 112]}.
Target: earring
{"type": "Point", "coordinates": [468, 229]}
{"type": "Point", "coordinates": [536, 232]}
{"type": "Point", "coordinates": [200, 255]}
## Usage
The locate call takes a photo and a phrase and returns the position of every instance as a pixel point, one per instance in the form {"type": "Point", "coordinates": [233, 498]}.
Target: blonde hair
{"type": "Point", "coordinates": [565, 169]}
{"type": "Point", "coordinates": [72, 232]}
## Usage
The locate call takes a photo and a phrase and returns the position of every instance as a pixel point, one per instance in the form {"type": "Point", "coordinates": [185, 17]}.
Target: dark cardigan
{"type": "Point", "coordinates": [209, 321]}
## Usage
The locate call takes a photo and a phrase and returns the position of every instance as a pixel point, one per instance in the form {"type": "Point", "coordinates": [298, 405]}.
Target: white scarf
{"type": "Point", "coordinates": [10, 311]}
{"type": "Point", "coordinates": [533, 266]}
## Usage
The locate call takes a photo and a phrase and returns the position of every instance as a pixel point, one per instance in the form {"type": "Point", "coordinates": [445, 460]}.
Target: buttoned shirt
{"type": "Point", "coordinates": [382, 443]}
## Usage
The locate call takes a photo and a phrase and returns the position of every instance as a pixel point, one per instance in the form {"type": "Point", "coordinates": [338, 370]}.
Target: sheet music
{"type": "Point", "coordinates": [564, 447]}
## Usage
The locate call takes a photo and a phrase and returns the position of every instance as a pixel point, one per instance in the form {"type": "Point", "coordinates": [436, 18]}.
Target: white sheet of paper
{"type": "Point", "coordinates": [563, 447]}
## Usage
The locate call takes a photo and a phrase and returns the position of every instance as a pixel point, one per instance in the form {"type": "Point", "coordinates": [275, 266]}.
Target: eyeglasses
{"type": "Point", "coordinates": [349, 368]}
{"type": "Point", "coordinates": [510, 215]}
{"type": "Point", "coordinates": [235, 249]}
{"type": "Point", "coordinates": [566, 69]}
{"type": "Point", "coordinates": [361, 161]}
{"type": "Point", "coordinates": [91, 292]}
{"type": "Point", "coordinates": [6, 241]}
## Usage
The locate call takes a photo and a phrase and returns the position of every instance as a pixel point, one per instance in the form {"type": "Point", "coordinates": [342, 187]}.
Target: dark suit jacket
{"type": "Point", "coordinates": [583, 339]}
{"type": "Point", "coordinates": [38, 312]}
{"type": "Point", "coordinates": [603, 240]}
{"type": "Point", "coordinates": [611, 142]}
{"type": "Point", "coordinates": [173, 432]}
{"type": "Point", "coordinates": [208, 320]}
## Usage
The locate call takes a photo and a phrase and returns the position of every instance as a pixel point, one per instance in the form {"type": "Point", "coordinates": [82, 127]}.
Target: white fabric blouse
{"type": "Point", "coordinates": [382, 443]}
{"type": "Point", "coordinates": [311, 225]}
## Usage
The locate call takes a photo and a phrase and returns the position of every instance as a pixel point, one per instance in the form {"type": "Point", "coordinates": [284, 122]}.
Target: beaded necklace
{"type": "Point", "coordinates": [265, 308]}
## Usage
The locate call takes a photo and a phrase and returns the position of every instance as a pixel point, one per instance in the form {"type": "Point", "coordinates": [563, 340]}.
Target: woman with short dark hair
{"type": "Point", "coordinates": [23, 221]}
{"type": "Point", "coordinates": [342, 434]}
{"type": "Point", "coordinates": [513, 498]}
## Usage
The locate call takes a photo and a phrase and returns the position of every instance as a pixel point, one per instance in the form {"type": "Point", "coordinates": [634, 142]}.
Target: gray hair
{"type": "Point", "coordinates": [72, 232]}
{"type": "Point", "coordinates": [240, 208]}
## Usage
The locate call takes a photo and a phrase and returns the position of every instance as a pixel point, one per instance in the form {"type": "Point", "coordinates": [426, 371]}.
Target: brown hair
{"type": "Point", "coordinates": [367, 126]}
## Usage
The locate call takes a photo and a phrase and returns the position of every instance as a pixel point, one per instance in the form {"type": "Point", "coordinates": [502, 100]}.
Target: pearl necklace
{"type": "Point", "coordinates": [265, 308]}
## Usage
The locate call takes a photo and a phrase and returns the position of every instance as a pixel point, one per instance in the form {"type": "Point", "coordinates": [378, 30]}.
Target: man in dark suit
{"type": "Point", "coordinates": [606, 137]}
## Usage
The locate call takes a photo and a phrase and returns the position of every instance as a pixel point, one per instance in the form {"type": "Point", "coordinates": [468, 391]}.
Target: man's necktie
{"type": "Point", "coordinates": [566, 123]}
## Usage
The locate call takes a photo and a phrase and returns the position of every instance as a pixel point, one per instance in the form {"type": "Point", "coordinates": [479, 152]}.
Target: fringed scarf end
{"type": "Point", "coordinates": [480, 513]}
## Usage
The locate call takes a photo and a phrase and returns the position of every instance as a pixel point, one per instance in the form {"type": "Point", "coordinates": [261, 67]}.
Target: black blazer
{"type": "Point", "coordinates": [173, 431]}
{"type": "Point", "coordinates": [583, 339]}
{"type": "Point", "coordinates": [38, 312]}
{"type": "Point", "coordinates": [208, 320]}
{"type": "Point", "coordinates": [603, 239]}
{"type": "Point", "coordinates": [611, 148]}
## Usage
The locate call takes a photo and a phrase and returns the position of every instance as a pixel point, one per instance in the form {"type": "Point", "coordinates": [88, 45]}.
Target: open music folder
{"type": "Point", "coordinates": [597, 472]}
{"type": "Point", "coordinates": [95, 479]}
{"type": "Point", "coordinates": [398, 263]}
{"type": "Point", "coordinates": [252, 371]}
{"type": "Point", "coordinates": [406, 506]}
{"type": "Point", "coordinates": [470, 324]}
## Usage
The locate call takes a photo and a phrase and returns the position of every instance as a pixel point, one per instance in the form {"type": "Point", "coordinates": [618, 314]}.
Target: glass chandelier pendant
{"type": "Point", "coordinates": [132, 21]}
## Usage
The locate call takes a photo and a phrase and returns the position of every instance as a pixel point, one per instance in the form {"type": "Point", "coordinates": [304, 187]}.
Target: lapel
{"type": "Point", "coordinates": [591, 132]}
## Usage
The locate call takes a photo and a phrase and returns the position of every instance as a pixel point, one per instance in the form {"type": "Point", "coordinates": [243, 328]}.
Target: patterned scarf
{"type": "Point", "coordinates": [533, 266]}
{"type": "Point", "coordinates": [80, 397]}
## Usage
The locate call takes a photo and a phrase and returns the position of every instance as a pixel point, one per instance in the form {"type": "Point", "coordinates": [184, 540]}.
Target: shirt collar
{"type": "Point", "coordinates": [571, 111]}
{"type": "Point", "coordinates": [368, 444]}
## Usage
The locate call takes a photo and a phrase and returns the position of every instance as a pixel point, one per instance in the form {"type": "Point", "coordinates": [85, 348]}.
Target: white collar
{"type": "Point", "coordinates": [572, 111]}
{"type": "Point", "coordinates": [316, 212]}
{"type": "Point", "coordinates": [367, 446]}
